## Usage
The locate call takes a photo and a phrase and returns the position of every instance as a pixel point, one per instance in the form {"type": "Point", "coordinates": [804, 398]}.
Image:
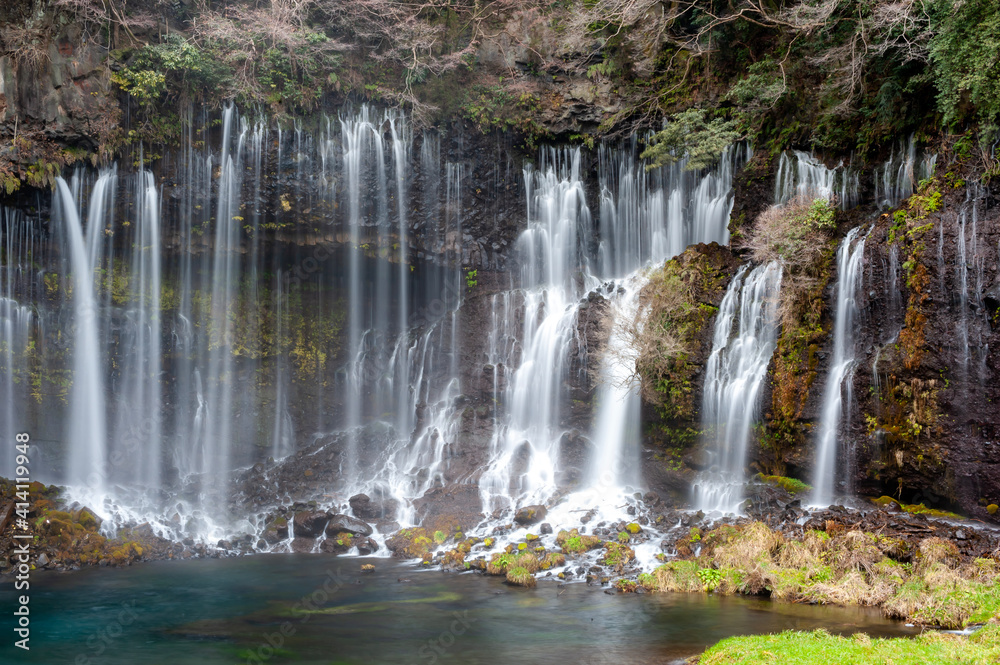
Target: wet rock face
{"type": "Point", "coordinates": [303, 545]}
{"type": "Point", "coordinates": [671, 456]}
{"type": "Point", "coordinates": [368, 508]}
{"type": "Point", "coordinates": [56, 89]}
{"type": "Point", "coordinates": [456, 508]}
{"type": "Point", "coordinates": [753, 192]}
{"type": "Point", "coordinates": [950, 386]}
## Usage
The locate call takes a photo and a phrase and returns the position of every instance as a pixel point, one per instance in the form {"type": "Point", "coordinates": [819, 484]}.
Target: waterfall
{"type": "Point", "coordinates": [802, 175]}
{"type": "Point", "coordinates": [525, 448]}
{"type": "Point", "coordinates": [140, 390]}
{"type": "Point", "coordinates": [16, 324]}
{"type": "Point", "coordinates": [654, 215]}
{"type": "Point", "coordinates": [849, 261]}
{"type": "Point", "coordinates": [273, 286]}
{"type": "Point", "coordinates": [896, 178]}
{"type": "Point", "coordinates": [616, 427]}
{"type": "Point", "coordinates": [214, 442]}
{"type": "Point", "coordinates": [969, 291]}
{"type": "Point", "coordinates": [86, 429]}
{"type": "Point", "coordinates": [734, 376]}
{"type": "Point", "coordinates": [645, 217]}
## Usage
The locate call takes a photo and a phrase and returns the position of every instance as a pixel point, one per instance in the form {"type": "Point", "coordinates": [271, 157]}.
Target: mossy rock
{"type": "Point", "coordinates": [501, 562]}
{"type": "Point", "coordinates": [520, 576]}
{"type": "Point", "coordinates": [411, 543]}
{"type": "Point", "coordinates": [793, 486]}
{"type": "Point", "coordinates": [617, 555]}
{"type": "Point", "coordinates": [914, 508]}
{"type": "Point", "coordinates": [573, 542]}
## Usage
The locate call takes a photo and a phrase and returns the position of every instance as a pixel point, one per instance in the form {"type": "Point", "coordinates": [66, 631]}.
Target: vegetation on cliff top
{"type": "Point", "coordinates": [840, 75]}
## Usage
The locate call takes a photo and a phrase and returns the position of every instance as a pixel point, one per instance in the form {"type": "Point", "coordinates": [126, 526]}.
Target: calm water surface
{"type": "Point", "coordinates": [317, 609]}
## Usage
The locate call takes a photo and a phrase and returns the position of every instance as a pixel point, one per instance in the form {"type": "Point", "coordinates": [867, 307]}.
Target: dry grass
{"type": "Point", "coordinates": [806, 553]}
{"type": "Point", "coordinates": [752, 547]}
{"type": "Point", "coordinates": [785, 234]}
{"type": "Point", "coordinates": [848, 569]}
{"type": "Point", "coordinates": [934, 550]}
{"type": "Point", "coordinates": [502, 562]}
{"type": "Point", "coordinates": [679, 576]}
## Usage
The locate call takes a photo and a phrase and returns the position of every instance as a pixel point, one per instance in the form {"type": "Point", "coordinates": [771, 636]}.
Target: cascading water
{"type": "Point", "coordinates": [616, 425]}
{"type": "Point", "coordinates": [141, 379]}
{"type": "Point", "coordinates": [969, 292]}
{"type": "Point", "coordinates": [557, 209]}
{"type": "Point", "coordinates": [896, 178]}
{"type": "Point", "coordinates": [643, 212]}
{"type": "Point", "coordinates": [802, 175]}
{"type": "Point", "coordinates": [86, 427]}
{"type": "Point", "coordinates": [219, 317]}
{"type": "Point", "coordinates": [849, 262]}
{"type": "Point", "coordinates": [734, 376]}
{"type": "Point", "coordinates": [17, 323]}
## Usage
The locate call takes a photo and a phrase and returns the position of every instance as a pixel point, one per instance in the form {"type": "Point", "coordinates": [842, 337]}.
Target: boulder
{"type": "Point", "coordinates": [530, 515]}
{"type": "Point", "coordinates": [339, 543]}
{"type": "Point", "coordinates": [411, 543]}
{"type": "Point", "coordinates": [366, 546]}
{"type": "Point", "coordinates": [310, 523]}
{"type": "Point", "coordinates": [276, 531]}
{"type": "Point", "coordinates": [348, 524]}
{"type": "Point", "coordinates": [450, 509]}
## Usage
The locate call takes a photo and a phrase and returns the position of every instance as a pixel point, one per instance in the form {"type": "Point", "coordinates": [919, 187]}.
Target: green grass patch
{"type": "Point", "coordinates": [821, 648]}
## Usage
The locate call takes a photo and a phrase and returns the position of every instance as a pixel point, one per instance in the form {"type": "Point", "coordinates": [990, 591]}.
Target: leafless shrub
{"type": "Point", "coordinates": [652, 343]}
{"type": "Point", "coordinates": [782, 233]}
{"type": "Point", "coordinates": [786, 234]}
{"type": "Point", "coordinates": [25, 45]}
{"type": "Point", "coordinates": [110, 14]}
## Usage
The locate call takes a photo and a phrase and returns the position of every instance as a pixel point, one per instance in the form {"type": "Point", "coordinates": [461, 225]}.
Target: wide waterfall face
{"type": "Point", "coordinates": [650, 216]}
{"type": "Point", "coordinates": [266, 289]}
{"type": "Point", "coordinates": [850, 257]}
{"type": "Point", "coordinates": [734, 377]}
